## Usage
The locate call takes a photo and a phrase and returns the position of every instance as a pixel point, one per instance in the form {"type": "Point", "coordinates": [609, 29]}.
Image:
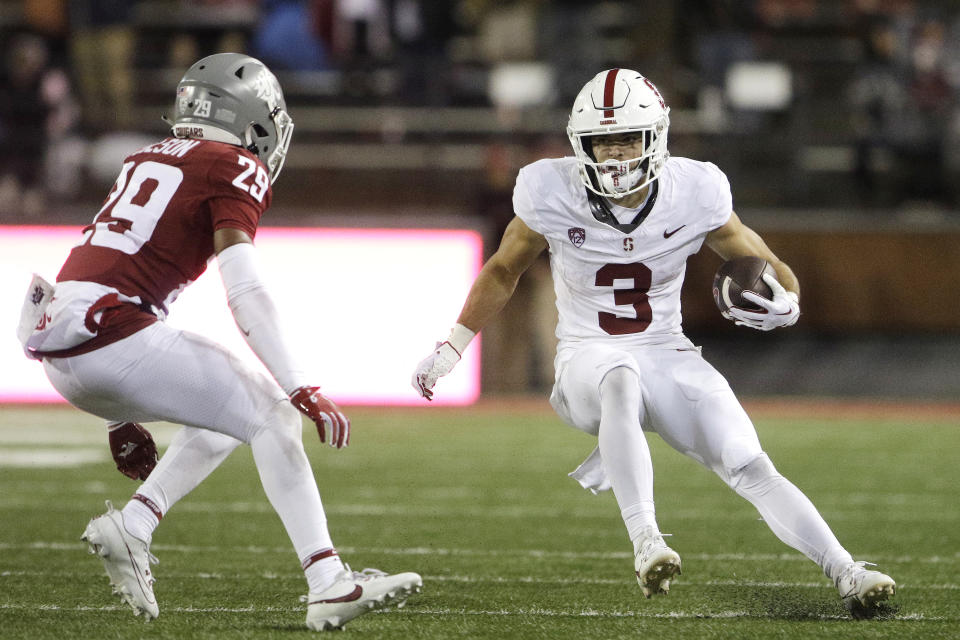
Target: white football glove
{"type": "Point", "coordinates": [441, 361]}
{"type": "Point", "coordinates": [435, 366]}
{"type": "Point", "coordinates": [782, 311]}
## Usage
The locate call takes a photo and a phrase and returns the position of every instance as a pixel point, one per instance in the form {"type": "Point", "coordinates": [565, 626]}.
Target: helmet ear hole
{"type": "Point", "coordinates": [260, 131]}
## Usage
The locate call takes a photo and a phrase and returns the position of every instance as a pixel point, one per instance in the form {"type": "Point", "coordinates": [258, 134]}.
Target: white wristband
{"type": "Point", "coordinates": [460, 338]}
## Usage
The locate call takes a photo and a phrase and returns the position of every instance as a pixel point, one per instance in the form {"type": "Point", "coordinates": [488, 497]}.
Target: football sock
{"type": "Point", "coordinates": [641, 521]}
{"type": "Point", "coordinates": [139, 520]}
{"type": "Point", "coordinates": [623, 447]}
{"type": "Point", "coordinates": [834, 561]}
{"type": "Point", "coordinates": [790, 514]}
{"type": "Point", "coordinates": [288, 481]}
{"type": "Point", "coordinates": [192, 455]}
{"type": "Point", "coordinates": [321, 569]}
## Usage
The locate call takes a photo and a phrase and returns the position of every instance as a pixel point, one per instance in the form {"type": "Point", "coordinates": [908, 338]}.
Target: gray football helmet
{"type": "Point", "coordinates": [233, 98]}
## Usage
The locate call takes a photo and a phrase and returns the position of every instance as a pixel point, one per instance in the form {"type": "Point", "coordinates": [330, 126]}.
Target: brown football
{"type": "Point", "coordinates": [739, 275]}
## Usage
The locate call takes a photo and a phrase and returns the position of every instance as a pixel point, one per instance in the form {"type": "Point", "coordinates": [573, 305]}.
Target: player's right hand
{"type": "Point", "coordinates": [781, 311]}
{"type": "Point", "coordinates": [133, 450]}
{"type": "Point", "coordinates": [435, 366]}
{"type": "Point", "coordinates": [325, 414]}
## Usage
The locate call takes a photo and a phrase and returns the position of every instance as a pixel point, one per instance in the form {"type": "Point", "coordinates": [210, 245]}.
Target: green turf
{"type": "Point", "coordinates": [478, 503]}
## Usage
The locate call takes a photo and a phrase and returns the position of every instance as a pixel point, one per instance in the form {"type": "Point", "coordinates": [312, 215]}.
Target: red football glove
{"type": "Point", "coordinates": [133, 450]}
{"type": "Point", "coordinates": [325, 413]}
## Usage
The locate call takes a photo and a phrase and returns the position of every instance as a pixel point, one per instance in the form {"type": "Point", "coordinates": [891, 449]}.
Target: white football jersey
{"type": "Point", "coordinates": [622, 282]}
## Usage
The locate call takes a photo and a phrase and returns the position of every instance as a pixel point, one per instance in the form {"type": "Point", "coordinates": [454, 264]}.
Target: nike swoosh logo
{"type": "Point", "coordinates": [350, 597]}
{"type": "Point", "coordinates": [667, 234]}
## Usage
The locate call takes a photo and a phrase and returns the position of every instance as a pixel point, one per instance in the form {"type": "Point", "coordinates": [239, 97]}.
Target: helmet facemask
{"type": "Point", "coordinates": [257, 140]}
{"type": "Point", "coordinates": [615, 177]}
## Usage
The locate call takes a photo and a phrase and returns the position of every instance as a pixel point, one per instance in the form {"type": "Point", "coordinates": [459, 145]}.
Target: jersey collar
{"type": "Point", "coordinates": [601, 210]}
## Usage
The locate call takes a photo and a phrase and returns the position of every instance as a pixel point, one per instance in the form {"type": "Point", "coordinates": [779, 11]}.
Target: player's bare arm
{"type": "Point", "coordinates": [493, 287]}
{"type": "Point", "coordinates": [224, 238]}
{"type": "Point", "coordinates": [735, 239]}
{"type": "Point", "coordinates": [498, 278]}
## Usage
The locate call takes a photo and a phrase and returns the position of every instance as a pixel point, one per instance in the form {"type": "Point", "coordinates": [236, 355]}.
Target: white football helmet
{"type": "Point", "coordinates": [619, 101]}
{"type": "Point", "coordinates": [233, 98]}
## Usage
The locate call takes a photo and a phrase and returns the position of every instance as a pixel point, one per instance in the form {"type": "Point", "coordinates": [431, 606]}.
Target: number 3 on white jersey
{"type": "Point", "coordinates": [260, 182]}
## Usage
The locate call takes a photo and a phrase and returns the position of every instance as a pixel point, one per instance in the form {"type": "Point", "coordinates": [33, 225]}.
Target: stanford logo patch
{"type": "Point", "coordinates": [577, 235]}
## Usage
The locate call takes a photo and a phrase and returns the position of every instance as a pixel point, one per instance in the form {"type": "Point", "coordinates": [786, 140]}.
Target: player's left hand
{"type": "Point", "coordinates": [325, 414]}
{"type": "Point", "coordinates": [782, 311]}
{"type": "Point", "coordinates": [133, 450]}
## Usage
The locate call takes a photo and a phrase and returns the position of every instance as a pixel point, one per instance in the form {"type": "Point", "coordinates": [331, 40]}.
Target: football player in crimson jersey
{"type": "Point", "coordinates": [620, 219]}
{"type": "Point", "coordinates": [176, 204]}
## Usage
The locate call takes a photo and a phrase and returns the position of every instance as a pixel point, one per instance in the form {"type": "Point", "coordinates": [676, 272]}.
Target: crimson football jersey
{"type": "Point", "coordinates": [153, 235]}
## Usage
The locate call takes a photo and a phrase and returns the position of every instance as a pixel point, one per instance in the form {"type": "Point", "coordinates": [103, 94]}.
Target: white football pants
{"type": "Point", "coordinates": [162, 373]}
{"type": "Point", "coordinates": [611, 392]}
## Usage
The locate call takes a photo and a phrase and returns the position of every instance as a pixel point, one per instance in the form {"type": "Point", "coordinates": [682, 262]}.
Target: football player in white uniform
{"type": "Point", "coordinates": [199, 193]}
{"type": "Point", "coordinates": [620, 218]}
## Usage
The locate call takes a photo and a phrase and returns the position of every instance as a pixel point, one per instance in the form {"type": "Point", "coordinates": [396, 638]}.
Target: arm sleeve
{"type": "Point", "coordinates": [256, 316]}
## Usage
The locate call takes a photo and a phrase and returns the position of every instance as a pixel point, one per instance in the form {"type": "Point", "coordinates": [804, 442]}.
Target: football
{"type": "Point", "coordinates": [739, 275]}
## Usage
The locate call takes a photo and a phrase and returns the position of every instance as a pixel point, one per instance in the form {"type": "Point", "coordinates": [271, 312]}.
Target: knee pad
{"type": "Point", "coordinates": [621, 380]}
{"type": "Point", "coordinates": [753, 476]}
{"type": "Point", "coordinates": [283, 420]}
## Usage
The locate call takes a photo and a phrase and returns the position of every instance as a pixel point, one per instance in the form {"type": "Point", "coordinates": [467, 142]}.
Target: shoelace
{"type": "Point", "coordinates": [151, 559]}
{"type": "Point", "coordinates": [368, 573]}
{"type": "Point", "coordinates": [365, 574]}
{"type": "Point", "coordinates": [851, 570]}
{"type": "Point", "coordinates": [652, 542]}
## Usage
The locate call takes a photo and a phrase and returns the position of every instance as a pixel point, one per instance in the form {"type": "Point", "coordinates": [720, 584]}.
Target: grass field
{"type": "Point", "coordinates": [477, 502]}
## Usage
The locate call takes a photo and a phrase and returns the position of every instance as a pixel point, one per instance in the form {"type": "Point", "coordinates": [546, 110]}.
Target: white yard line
{"type": "Point", "coordinates": [520, 512]}
{"type": "Point", "coordinates": [531, 612]}
{"type": "Point", "coordinates": [48, 458]}
{"type": "Point", "coordinates": [538, 580]}
{"type": "Point", "coordinates": [482, 553]}
{"type": "Point", "coordinates": [56, 607]}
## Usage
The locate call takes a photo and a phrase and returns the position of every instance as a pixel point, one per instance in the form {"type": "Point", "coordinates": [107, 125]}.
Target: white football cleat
{"type": "Point", "coordinates": [355, 593]}
{"type": "Point", "coordinates": [127, 561]}
{"type": "Point", "coordinates": [863, 589]}
{"type": "Point", "coordinates": [656, 564]}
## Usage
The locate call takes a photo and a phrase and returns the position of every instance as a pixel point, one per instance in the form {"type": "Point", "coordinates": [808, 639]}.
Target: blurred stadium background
{"type": "Point", "coordinates": [837, 122]}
